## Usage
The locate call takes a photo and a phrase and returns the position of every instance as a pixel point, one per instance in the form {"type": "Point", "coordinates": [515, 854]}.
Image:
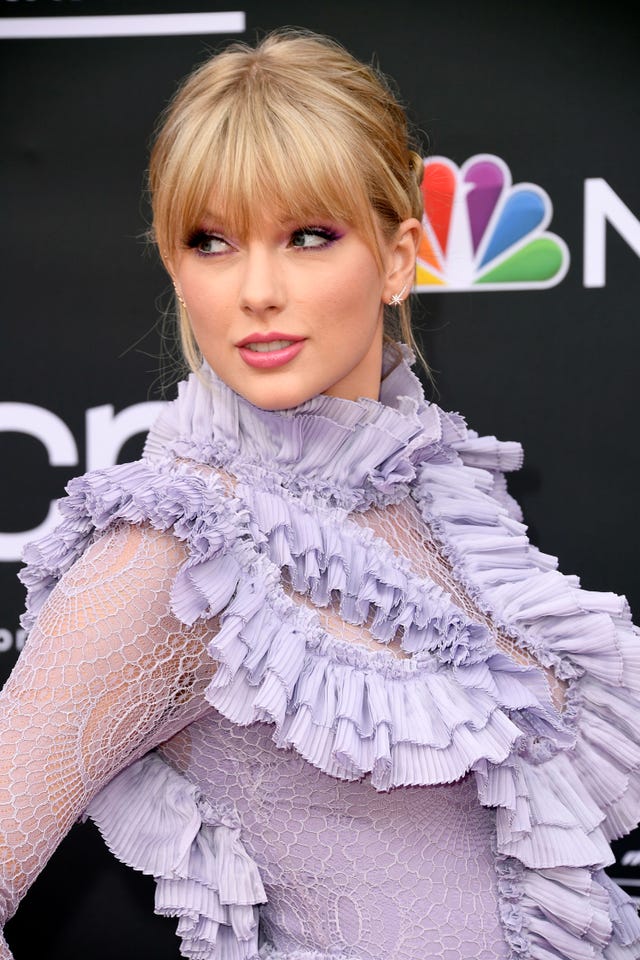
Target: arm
{"type": "Point", "coordinates": [107, 673]}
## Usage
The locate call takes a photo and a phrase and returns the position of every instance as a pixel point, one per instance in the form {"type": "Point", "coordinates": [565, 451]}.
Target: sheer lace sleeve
{"type": "Point", "coordinates": [107, 673]}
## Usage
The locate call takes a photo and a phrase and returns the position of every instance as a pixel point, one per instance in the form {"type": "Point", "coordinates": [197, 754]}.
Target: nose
{"type": "Point", "coordinates": [262, 287]}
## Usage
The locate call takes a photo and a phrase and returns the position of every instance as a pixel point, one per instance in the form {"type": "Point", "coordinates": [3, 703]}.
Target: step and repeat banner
{"type": "Point", "coordinates": [526, 294]}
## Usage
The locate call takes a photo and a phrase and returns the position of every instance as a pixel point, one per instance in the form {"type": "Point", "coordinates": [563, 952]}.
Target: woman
{"type": "Point", "coordinates": [300, 662]}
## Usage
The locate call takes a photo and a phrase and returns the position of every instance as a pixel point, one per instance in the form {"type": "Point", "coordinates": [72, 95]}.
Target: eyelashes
{"type": "Point", "coordinates": [209, 243]}
{"type": "Point", "coordinates": [313, 238]}
{"type": "Point", "coordinates": [200, 239]}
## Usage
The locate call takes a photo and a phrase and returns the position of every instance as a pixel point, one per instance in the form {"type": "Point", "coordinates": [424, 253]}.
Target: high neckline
{"type": "Point", "coordinates": [352, 453]}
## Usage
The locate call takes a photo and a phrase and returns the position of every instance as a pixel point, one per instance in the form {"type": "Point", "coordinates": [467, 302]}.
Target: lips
{"type": "Point", "coordinates": [271, 336]}
{"type": "Point", "coordinates": [264, 351]}
{"type": "Point", "coordinates": [268, 345]}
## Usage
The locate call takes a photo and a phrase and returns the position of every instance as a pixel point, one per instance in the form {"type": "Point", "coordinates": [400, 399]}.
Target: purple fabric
{"type": "Point", "coordinates": [361, 729]}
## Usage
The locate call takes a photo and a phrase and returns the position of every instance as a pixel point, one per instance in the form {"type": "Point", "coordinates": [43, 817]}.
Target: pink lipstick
{"type": "Point", "coordinates": [267, 350]}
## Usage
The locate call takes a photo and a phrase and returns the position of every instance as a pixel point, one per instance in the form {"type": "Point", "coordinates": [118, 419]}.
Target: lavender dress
{"type": "Point", "coordinates": [385, 727]}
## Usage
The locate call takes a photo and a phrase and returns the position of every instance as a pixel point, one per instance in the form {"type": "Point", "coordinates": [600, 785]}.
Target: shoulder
{"type": "Point", "coordinates": [193, 512]}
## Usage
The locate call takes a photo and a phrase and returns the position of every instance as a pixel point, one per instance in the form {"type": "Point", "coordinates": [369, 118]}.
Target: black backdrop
{"type": "Point", "coordinates": [550, 88]}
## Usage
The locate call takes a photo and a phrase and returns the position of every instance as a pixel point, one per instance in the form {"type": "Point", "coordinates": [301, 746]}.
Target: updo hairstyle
{"type": "Point", "coordinates": [295, 125]}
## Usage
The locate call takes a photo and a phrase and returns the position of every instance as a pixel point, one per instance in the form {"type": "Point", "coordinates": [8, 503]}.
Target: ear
{"type": "Point", "coordinates": [402, 250]}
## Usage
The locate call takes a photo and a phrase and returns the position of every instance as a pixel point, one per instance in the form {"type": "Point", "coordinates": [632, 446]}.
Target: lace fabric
{"type": "Point", "coordinates": [349, 871]}
{"type": "Point", "coordinates": [107, 673]}
{"type": "Point", "coordinates": [401, 526]}
{"type": "Point", "coordinates": [392, 646]}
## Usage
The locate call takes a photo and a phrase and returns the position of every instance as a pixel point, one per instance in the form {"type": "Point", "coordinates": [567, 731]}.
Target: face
{"type": "Point", "coordinates": [288, 312]}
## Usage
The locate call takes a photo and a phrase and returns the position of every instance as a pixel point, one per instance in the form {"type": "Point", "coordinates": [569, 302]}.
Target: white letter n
{"type": "Point", "coordinates": [602, 205]}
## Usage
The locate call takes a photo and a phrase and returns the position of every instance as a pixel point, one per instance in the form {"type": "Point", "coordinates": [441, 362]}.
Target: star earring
{"type": "Point", "coordinates": [397, 298]}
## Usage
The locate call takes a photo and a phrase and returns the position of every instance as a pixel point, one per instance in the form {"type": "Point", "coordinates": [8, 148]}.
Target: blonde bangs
{"type": "Point", "coordinates": [258, 159]}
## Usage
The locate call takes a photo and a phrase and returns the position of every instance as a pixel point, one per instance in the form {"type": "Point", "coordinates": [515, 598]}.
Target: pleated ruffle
{"type": "Point", "coordinates": [350, 712]}
{"type": "Point", "coordinates": [329, 558]}
{"type": "Point", "coordinates": [562, 787]}
{"type": "Point", "coordinates": [157, 822]}
{"type": "Point", "coordinates": [555, 814]}
{"type": "Point", "coordinates": [195, 508]}
{"type": "Point", "coordinates": [349, 454]}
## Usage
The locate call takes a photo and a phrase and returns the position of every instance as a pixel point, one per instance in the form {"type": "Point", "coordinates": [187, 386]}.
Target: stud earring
{"type": "Point", "coordinates": [397, 298]}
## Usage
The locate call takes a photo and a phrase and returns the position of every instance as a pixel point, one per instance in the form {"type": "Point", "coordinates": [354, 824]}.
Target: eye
{"type": "Point", "coordinates": [309, 238]}
{"type": "Point", "coordinates": [207, 244]}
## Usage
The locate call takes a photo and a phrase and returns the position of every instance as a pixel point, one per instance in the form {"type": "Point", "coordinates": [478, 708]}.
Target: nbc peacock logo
{"type": "Point", "coordinates": [482, 232]}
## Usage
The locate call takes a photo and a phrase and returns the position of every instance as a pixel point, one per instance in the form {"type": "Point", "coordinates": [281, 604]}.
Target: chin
{"type": "Point", "coordinates": [275, 399]}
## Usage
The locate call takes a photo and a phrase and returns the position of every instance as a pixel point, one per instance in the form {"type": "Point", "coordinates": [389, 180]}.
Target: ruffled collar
{"type": "Point", "coordinates": [352, 453]}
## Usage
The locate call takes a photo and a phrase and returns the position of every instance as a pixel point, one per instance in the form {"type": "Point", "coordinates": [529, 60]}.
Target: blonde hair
{"type": "Point", "coordinates": [296, 124]}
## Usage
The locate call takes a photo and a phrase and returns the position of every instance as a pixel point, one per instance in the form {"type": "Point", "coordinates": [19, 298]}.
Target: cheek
{"type": "Point", "coordinates": [358, 286]}
{"type": "Point", "coordinates": [357, 296]}
{"type": "Point", "coordinates": [196, 283]}
{"type": "Point", "coordinates": [199, 297]}
{"type": "Point", "coordinates": [206, 305]}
